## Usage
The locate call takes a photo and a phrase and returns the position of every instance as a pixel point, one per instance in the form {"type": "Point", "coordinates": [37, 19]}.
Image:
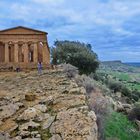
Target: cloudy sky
{"type": "Point", "coordinates": [111, 26]}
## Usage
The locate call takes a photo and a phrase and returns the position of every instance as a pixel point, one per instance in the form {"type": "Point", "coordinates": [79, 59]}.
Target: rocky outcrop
{"type": "Point", "coordinates": [75, 123]}
{"type": "Point", "coordinates": [44, 107]}
{"type": "Point", "coordinates": [118, 106]}
{"type": "Point", "coordinates": [30, 97]}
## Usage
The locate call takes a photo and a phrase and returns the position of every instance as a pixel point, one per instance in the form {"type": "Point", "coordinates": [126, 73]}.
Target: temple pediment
{"type": "Point", "coordinates": [21, 30]}
{"type": "Point", "coordinates": [23, 47]}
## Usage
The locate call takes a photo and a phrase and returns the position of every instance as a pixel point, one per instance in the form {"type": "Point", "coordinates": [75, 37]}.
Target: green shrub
{"type": "Point", "coordinates": [118, 126]}
{"type": "Point", "coordinates": [125, 91]}
{"type": "Point", "coordinates": [114, 85]}
{"type": "Point", "coordinates": [99, 76]}
{"type": "Point", "coordinates": [75, 53]}
{"type": "Point", "coordinates": [134, 114]}
{"type": "Point", "coordinates": [136, 95]}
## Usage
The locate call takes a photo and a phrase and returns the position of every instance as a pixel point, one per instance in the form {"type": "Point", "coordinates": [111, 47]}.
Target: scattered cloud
{"type": "Point", "coordinates": [111, 26]}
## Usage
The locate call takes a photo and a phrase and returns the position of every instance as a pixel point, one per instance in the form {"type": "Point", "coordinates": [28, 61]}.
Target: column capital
{"type": "Point", "coordinates": [6, 42]}
{"type": "Point", "coordinates": [35, 42]}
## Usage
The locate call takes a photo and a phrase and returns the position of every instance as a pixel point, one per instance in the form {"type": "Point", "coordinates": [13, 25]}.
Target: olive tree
{"type": "Point", "coordinates": [78, 54]}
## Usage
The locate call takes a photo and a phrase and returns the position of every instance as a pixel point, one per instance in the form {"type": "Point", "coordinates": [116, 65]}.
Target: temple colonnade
{"type": "Point", "coordinates": [24, 52]}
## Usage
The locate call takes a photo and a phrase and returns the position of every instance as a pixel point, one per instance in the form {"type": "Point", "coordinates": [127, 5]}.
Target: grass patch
{"type": "Point", "coordinates": [133, 86]}
{"type": "Point", "coordinates": [118, 126]}
{"type": "Point", "coordinates": [51, 111]}
{"type": "Point", "coordinates": [45, 134]}
{"type": "Point", "coordinates": [122, 76]}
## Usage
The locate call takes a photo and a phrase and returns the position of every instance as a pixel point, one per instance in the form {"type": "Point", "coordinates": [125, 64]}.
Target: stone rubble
{"type": "Point", "coordinates": [44, 107]}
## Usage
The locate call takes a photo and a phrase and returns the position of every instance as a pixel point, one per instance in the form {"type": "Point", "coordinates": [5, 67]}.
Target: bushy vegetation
{"type": "Point", "coordinates": [86, 82]}
{"type": "Point", "coordinates": [99, 105]}
{"type": "Point", "coordinates": [115, 85]}
{"type": "Point", "coordinates": [96, 101]}
{"type": "Point", "coordinates": [134, 114]}
{"type": "Point", "coordinates": [119, 127]}
{"type": "Point", "coordinates": [78, 54]}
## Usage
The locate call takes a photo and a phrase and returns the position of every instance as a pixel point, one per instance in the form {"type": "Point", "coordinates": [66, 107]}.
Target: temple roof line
{"type": "Point", "coordinates": [21, 27]}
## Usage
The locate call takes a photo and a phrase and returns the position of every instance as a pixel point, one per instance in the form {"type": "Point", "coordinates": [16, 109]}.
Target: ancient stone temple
{"type": "Point", "coordinates": [23, 47]}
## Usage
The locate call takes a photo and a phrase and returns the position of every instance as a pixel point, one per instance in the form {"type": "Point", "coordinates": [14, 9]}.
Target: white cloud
{"type": "Point", "coordinates": [49, 2]}
{"type": "Point", "coordinates": [100, 22]}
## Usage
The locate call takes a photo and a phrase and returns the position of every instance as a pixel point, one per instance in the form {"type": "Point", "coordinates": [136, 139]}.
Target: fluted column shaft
{"type": "Point", "coordinates": [26, 53]}
{"type": "Point", "coordinates": [6, 53]}
{"type": "Point", "coordinates": [46, 54]}
{"type": "Point", "coordinates": [35, 54]}
{"type": "Point", "coordinates": [16, 53]}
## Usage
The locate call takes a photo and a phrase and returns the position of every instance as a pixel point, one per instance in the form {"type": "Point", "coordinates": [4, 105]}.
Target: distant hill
{"type": "Point", "coordinates": [118, 66]}
{"type": "Point", "coordinates": [135, 64]}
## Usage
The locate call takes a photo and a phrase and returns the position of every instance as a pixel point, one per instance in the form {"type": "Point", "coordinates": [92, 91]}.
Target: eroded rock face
{"type": "Point", "coordinates": [68, 101]}
{"type": "Point", "coordinates": [41, 107]}
{"type": "Point", "coordinates": [118, 106]}
{"type": "Point", "coordinates": [30, 113]}
{"type": "Point", "coordinates": [30, 96]}
{"type": "Point", "coordinates": [8, 110]}
{"type": "Point", "coordinates": [78, 90]}
{"type": "Point", "coordinates": [28, 125]}
{"type": "Point", "coordinates": [49, 106]}
{"type": "Point", "coordinates": [55, 137]}
{"type": "Point", "coordinates": [4, 136]}
{"type": "Point", "coordinates": [74, 124]}
{"type": "Point", "coordinates": [47, 123]}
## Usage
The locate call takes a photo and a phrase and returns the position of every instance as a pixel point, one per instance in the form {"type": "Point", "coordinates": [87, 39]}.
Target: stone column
{"type": "Point", "coordinates": [6, 53]}
{"type": "Point", "coordinates": [16, 53]}
{"type": "Point", "coordinates": [35, 53]}
{"type": "Point", "coordinates": [26, 53]}
{"type": "Point", "coordinates": [46, 54]}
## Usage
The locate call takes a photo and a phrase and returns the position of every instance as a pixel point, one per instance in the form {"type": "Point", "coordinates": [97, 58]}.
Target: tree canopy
{"type": "Point", "coordinates": [78, 54]}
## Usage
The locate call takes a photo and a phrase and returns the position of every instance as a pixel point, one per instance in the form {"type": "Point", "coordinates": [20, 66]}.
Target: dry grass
{"type": "Point", "coordinates": [86, 82]}
{"type": "Point", "coordinates": [71, 71]}
{"type": "Point", "coordinates": [98, 104]}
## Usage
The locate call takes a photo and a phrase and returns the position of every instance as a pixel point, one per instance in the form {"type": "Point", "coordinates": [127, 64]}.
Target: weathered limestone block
{"type": "Point", "coordinates": [47, 123]}
{"type": "Point", "coordinates": [55, 137]}
{"type": "Point", "coordinates": [69, 101]}
{"type": "Point", "coordinates": [72, 124]}
{"type": "Point", "coordinates": [42, 108]}
{"type": "Point", "coordinates": [28, 125]}
{"type": "Point", "coordinates": [8, 110]}
{"type": "Point", "coordinates": [4, 136]}
{"type": "Point", "coordinates": [30, 113]}
{"type": "Point", "coordinates": [30, 96]}
{"type": "Point", "coordinates": [78, 90]}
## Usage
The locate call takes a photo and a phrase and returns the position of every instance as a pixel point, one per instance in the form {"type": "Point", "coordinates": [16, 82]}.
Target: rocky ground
{"type": "Point", "coordinates": [44, 107]}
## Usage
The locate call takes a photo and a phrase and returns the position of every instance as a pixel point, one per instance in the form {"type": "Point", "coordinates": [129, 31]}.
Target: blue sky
{"type": "Point", "coordinates": [111, 26]}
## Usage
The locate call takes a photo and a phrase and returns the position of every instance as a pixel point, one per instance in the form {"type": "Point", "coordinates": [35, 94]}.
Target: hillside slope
{"type": "Point", "coordinates": [118, 66]}
{"type": "Point", "coordinates": [45, 107]}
